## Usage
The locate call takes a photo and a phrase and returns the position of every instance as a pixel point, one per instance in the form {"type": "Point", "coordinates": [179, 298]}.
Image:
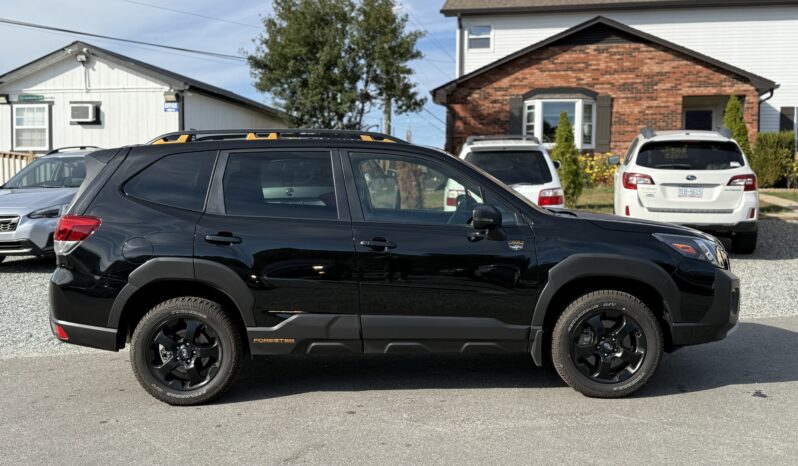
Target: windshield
{"type": "Point", "coordinates": [691, 155]}
{"type": "Point", "coordinates": [513, 167]}
{"type": "Point", "coordinates": [50, 172]}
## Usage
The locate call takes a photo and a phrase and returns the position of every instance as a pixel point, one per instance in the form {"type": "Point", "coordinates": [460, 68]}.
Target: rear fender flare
{"type": "Point", "coordinates": [212, 274]}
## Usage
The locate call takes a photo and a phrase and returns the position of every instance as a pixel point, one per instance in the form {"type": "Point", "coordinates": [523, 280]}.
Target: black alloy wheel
{"type": "Point", "coordinates": [184, 353]}
{"type": "Point", "coordinates": [608, 346]}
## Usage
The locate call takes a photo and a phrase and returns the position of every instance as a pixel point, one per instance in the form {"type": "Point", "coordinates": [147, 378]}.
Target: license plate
{"type": "Point", "coordinates": [694, 193]}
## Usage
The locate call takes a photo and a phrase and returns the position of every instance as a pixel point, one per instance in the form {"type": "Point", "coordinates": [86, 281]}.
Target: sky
{"type": "Point", "coordinates": [228, 27]}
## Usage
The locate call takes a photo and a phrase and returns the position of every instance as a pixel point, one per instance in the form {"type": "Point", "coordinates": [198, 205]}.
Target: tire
{"type": "Point", "coordinates": [194, 369]}
{"type": "Point", "coordinates": [744, 243]}
{"type": "Point", "coordinates": [2, 258]}
{"type": "Point", "coordinates": [590, 361]}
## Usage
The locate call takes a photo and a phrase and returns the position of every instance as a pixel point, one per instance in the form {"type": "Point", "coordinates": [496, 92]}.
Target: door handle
{"type": "Point", "coordinates": [379, 244]}
{"type": "Point", "coordinates": [222, 239]}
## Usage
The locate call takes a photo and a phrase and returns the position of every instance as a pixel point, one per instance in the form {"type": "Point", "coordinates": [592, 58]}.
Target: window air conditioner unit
{"type": "Point", "coordinates": [82, 113]}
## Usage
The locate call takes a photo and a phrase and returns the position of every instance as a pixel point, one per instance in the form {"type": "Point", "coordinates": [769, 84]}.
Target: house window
{"type": "Point", "coordinates": [542, 117]}
{"type": "Point", "coordinates": [480, 37]}
{"type": "Point", "coordinates": [31, 127]}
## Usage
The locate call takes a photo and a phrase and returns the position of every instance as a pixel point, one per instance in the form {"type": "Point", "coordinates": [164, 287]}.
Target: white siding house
{"type": "Point", "coordinates": [757, 36]}
{"type": "Point", "coordinates": [132, 102]}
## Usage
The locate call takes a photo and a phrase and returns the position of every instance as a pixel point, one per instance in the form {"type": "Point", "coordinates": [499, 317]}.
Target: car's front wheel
{"type": "Point", "coordinates": [606, 344]}
{"type": "Point", "coordinates": [186, 351]}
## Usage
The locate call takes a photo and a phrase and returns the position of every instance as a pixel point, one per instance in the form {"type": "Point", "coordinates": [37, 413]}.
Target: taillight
{"type": "Point", "coordinates": [749, 181]}
{"type": "Point", "coordinates": [72, 230]}
{"type": "Point", "coordinates": [451, 196]}
{"type": "Point", "coordinates": [631, 180]}
{"type": "Point", "coordinates": [551, 197]}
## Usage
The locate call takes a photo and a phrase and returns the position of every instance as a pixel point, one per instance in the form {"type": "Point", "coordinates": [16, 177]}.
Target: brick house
{"type": "Point", "coordinates": [611, 79]}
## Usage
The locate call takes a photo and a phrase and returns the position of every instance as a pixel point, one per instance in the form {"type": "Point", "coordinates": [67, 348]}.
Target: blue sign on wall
{"type": "Point", "coordinates": [170, 107]}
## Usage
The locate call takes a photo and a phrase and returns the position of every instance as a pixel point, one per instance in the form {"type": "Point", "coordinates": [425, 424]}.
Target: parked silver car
{"type": "Point", "coordinates": [32, 201]}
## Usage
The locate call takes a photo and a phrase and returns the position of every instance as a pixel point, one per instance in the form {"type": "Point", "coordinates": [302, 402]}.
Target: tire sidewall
{"type": "Point", "coordinates": [641, 315]}
{"type": "Point", "coordinates": [144, 333]}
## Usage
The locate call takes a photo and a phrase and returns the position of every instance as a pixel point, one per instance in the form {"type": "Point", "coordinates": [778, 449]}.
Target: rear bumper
{"type": "Point", "coordinates": [741, 219]}
{"type": "Point", "coordinates": [86, 335]}
{"type": "Point", "coordinates": [720, 319]}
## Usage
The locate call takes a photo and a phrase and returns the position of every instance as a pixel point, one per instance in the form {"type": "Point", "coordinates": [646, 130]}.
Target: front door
{"type": "Point", "coordinates": [276, 218]}
{"type": "Point", "coordinates": [425, 282]}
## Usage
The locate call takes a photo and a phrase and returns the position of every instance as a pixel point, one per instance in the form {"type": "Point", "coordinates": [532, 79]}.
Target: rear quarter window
{"type": "Point", "coordinates": [177, 180]}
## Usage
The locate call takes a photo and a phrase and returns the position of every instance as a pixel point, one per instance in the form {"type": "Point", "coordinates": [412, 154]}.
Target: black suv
{"type": "Point", "coordinates": [203, 247]}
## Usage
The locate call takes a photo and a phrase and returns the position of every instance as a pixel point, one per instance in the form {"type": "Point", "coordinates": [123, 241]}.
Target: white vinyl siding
{"type": "Point", "coordinates": [207, 112]}
{"type": "Point", "coordinates": [31, 127]}
{"type": "Point", "coordinates": [758, 39]}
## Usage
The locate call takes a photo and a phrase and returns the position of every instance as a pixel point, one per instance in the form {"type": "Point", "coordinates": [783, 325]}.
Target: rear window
{"type": "Point", "coordinates": [513, 167]}
{"type": "Point", "coordinates": [690, 155]}
{"type": "Point", "coordinates": [178, 180]}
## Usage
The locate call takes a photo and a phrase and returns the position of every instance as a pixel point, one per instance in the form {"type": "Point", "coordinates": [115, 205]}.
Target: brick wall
{"type": "Point", "coordinates": [647, 83]}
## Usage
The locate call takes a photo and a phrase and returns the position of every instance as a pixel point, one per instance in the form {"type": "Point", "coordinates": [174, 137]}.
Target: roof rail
{"type": "Point", "coordinates": [647, 133]}
{"type": "Point", "coordinates": [502, 137]}
{"type": "Point", "coordinates": [181, 137]}
{"type": "Point", "coordinates": [66, 148]}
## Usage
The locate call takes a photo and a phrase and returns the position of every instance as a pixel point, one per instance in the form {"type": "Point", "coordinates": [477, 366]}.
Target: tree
{"type": "Point", "coordinates": [567, 154]}
{"type": "Point", "coordinates": [733, 119]}
{"type": "Point", "coordinates": [328, 63]}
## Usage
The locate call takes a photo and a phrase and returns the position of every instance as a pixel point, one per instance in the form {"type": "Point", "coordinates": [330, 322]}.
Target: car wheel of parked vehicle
{"type": "Point", "coordinates": [744, 243]}
{"type": "Point", "coordinates": [186, 351]}
{"type": "Point", "coordinates": [606, 344]}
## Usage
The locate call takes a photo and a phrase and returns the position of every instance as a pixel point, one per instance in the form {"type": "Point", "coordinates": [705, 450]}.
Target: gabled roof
{"type": "Point", "coordinates": [762, 85]}
{"type": "Point", "coordinates": [474, 7]}
{"type": "Point", "coordinates": [148, 68]}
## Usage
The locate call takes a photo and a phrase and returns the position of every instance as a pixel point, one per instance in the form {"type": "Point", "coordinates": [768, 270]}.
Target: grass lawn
{"type": "Point", "coordinates": [597, 199]}
{"type": "Point", "coordinates": [791, 194]}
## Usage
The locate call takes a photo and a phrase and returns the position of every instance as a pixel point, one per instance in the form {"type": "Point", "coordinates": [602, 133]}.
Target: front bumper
{"type": "Point", "coordinates": [32, 237]}
{"type": "Point", "coordinates": [720, 319]}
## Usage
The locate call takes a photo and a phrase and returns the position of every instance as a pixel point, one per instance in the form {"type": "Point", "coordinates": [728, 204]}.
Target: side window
{"type": "Point", "coordinates": [631, 151]}
{"type": "Point", "coordinates": [403, 190]}
{"type": "Point", "coordinates": [280, 184]}
{"type": "Point", "coordinates": [177, 180]}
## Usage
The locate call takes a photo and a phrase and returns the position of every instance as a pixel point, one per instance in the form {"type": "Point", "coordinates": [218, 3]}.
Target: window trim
{"type": "Point", "coordinates": [47, 127]}
{"type": "Point", "coordinates": [215, 204]}
{"type": "Point", "coordinates": [578, 120]}
{"type": "Point", "coordinates": [490, 38]}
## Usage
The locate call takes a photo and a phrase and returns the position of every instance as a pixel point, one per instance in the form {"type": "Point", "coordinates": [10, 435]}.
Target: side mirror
{"type": "Point", "coordinates": [557, 164]}
{"type": "Point", "coordinates": [486, 217]}
{"type": "Point", "coordinates": [614, 160]}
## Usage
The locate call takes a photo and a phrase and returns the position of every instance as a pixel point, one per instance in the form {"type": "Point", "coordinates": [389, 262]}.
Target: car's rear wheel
{"type": "Point", "coordinates": [186, 351]}
{"type": "Point", "coordinates": [606, 344]}
{"type": "Point", "coordinates": [744, 243]}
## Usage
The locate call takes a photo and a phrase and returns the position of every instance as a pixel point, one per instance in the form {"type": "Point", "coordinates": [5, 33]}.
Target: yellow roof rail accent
{"type": "Point", "coordinates": [180, 140]}
{"type": "Point", "coordinates": [254, 137]}
{"type": "Point", "coordinates": [368, 138]}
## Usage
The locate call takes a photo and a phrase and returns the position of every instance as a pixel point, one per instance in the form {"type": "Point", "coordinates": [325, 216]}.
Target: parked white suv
{"type": "Point", "coordinates": [520, 162]}
{"type": "Point", "coordinates": [695, 178]}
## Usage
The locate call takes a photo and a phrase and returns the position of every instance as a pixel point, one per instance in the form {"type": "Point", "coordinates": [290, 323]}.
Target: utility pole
{"type": "Point", "coordinates": [387, 116]}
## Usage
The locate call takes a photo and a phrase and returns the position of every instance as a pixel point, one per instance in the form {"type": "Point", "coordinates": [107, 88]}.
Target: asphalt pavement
{"type": "Point", "coordinates": [734, 401]}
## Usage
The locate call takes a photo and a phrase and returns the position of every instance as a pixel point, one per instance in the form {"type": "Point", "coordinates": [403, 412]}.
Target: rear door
{"type": "Point", "coordinates": [279, 219]}
{"type": "Point", "coordinates": [691, 176]}
{"type": "Point", "coordinates": [425, 285]}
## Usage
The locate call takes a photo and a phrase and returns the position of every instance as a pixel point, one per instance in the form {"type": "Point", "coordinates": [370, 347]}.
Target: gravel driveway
{"type": "Point", "coordinates": [769, 279]}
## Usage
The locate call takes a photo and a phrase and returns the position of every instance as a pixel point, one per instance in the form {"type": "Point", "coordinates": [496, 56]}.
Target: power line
{"type": "Point", "coordinates": [434, 116]}
{"type": "Point", "coordinates": [421, 26]}
{"type": "Point", "coordinates": [119, 39]}
{"type": "Point", "coordinates": [190, 13]}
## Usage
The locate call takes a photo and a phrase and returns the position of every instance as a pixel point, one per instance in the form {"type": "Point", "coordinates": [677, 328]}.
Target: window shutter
{"type": "Point", "coordinates": [787, 120]}
{"type": "Point", "coordinates": [516, 125]}
{"type": "Point", "coordinates": [603, 123]}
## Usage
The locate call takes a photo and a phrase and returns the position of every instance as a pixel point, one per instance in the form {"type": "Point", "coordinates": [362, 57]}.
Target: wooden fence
{"type": "Point", "coordinates": [13, 162]}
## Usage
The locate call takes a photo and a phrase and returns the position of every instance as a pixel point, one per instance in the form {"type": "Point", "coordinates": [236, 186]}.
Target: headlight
{"type": "Point", "coordinates": [49, 212]}
{"type": "Point", "coordinates": [695, 248]}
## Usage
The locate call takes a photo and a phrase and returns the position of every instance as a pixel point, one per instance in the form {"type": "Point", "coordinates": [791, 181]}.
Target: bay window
{"type": "Point", "coordinates": [31, 127]}
{"type": "Point", "coordinates": [542, 117]}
